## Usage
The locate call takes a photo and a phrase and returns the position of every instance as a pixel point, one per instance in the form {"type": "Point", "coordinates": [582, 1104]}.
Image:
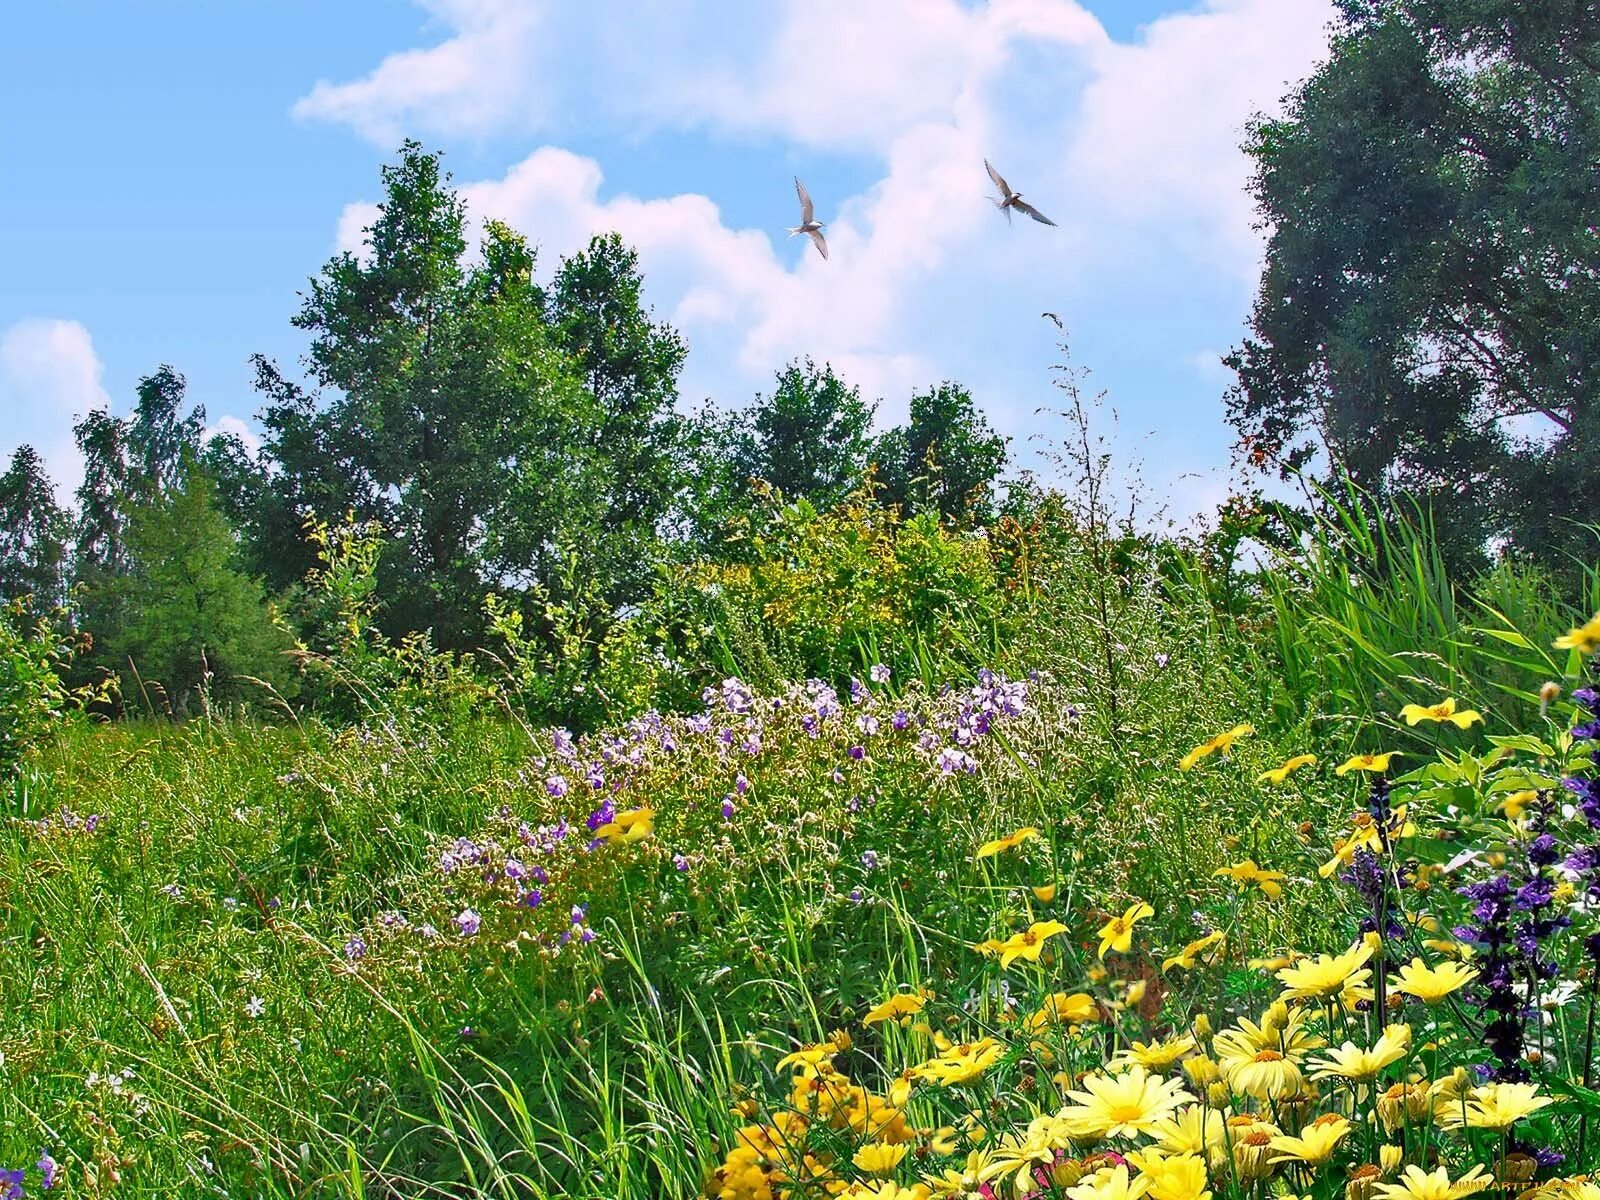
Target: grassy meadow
{"type": "Point", "coordinates": [893, 933]}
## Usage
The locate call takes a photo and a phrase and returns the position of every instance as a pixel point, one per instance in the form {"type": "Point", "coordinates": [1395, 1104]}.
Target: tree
{"type": "Point", "coordinates": [33, 535]}
{"type": "Point", "coordinates": [459, 421]}
{"type": "Point", "coordinates": [160, 435]}
{"type": "Point", "coordinates": [98, 538]}
{"type": "Point", "coordinates": [946, 460]}
{"type": "Point", "coordinates": [1429, 315]}
{"type": "Point", "coordinates": [190, 609]}
{"type": "Point", "coordinates": [809, 438]}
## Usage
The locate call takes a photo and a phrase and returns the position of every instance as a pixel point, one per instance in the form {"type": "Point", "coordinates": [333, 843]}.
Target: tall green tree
{"type": "Point", "coordinates": [946, 459]}
{"type": "Point", "coordinates": [98, 538]}
{"type": "Point", "coordinates": [161, 435]}
{"type": "Point", "coordinates": [1429, 314]}
{"type": "Point", "coordinates": [192, 614]}
{"type": "Point", "coordinates": [33, 535]}
{"type": "Point", "coordinates": [493, 430]}
{"type": "Point", "coordinates": [810, 438]}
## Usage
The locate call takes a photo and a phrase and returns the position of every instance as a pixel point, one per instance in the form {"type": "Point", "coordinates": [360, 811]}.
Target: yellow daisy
{"type": "Point", "coordinates": [1433, 984]}
{"type": "Point", "coordinates": [1223, 742]}
{"type": "Point", "coordinates": [1280, 774]}
{"type": "Point", "coordinates": [1585, 639]}
{"type": "Point", "coordinates": [1441, 712]}
{"type": "Point", "coordinates": [1247, 873]}
{"type": "Point", "coordinates": [1117, 933]}
{"type": "Point", "coordinates": [900, 1007]}
{"type": "Point", "coordinates": [1373, 763]}
{"type": "Point", "coordinates": [1192, 954]}
{"type": "Point", "coordinates": [1010, 842]}
{"type": "Point", "coordinates": [1327, 974]}
{"type": "Point", "coordinates": [1124, 1105]}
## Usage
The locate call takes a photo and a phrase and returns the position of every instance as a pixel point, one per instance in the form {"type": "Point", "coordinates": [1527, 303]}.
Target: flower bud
{"type": "Point", "coordinates": [1202, 1026]}
{"type": "Point", "coordinates": [1548, 694]}
{"type": "Point", "coordinates": [1217, 1095]}
{"type": "Point", "coordinates": [1201, 1072]}
{"type": "Point", "coordinates": [1405, 1105]}
{"type": "Point", "coordinates": [1389, 1160]}
{"type": "Point", "coordinates": [1362, 1182]}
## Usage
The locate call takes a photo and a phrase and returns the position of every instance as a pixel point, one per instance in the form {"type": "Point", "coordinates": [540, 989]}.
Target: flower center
{"type": "Point", "coordinates": [1123, 1114]}
{"type": "Point", "coordinates": [1269, 1056]}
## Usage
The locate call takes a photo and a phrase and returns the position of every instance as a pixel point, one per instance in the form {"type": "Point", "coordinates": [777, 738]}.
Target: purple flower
{"type": "Point", "coordinates": [47, 1171]}
{"type": "Point", "coordinates": [858, 690]}
{"type": "Point", "coordinates": [680, 863]}
{"type": "Point", "coordinates": [869, 859]}
{"type": "Point", "coordinates": [604, 815]}
{"type": "Point", "coordinates": [857, 896]}
{"type": "Point", "coordinates": [563, 742]}
{"type": "Point", "coordinates": [858, 752]}
{"type": "Point", "coordinates": [867, 724]}
{"type": "Point", "coordinates": [952, 760]}
{"type": "Point", "coordinates": [727, 808]}
{"type": "Point", "coordinates": [741, 785]}
{"type": "Point", "coordinates": [1162, 660]}
{"type": "Point", "coordinates": [586, 935]}
{"type": "Point", "coordinates": [879, 673]}
{"type": "Point", "coordinates": [531, 898]}
{"type": "Point", "coordinates": [356, 948]}
{"type": "Point", "coordinates": [11, 1185]}
{"type": "Point", "coordinates": [468, 922]}
{"type": "Point", "coordinates": [900, 719]}
{"type": "Point", "coordinates": [579, 912]}
{"type": "Point", "coordinates": [515, 869]}
{"type": "Point", "coordinates": [556, 785]}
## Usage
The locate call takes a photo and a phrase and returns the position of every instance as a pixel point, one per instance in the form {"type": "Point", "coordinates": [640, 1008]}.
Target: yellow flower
{"type": "Point", "coordinates": [809, 1058]}
{"type": "Point", "coordinates": [1223, 742]}
{"type": "Point", "coordinates": [1316, 1143]}
{"type": "Point", "coordinates": [875, 1158]}
{"type": "Point", "coordinates": [900, 1007]}
{"type": "Point", "coordinates": [1123, 1105]}
{"type": "Point", "coordinates": [1194, 1130]}
{"type": "Point", "coordinates": [632, 826]}
{"type": "Point", "coordinates": [1113, 1184]}
{"type": "Point", "coordinates": [884, 1189]}
{"type": "Point", "coordinates": [1282, 1028]}
{"type": "Point", "coordinates": [1173, 1176]}
{"type": "Point", "coordinates": [1158, 1056]}
{"type": "Point", "coordinates": [1279, 774]}
{"type": "Point", "coordinates": [1417, 1184]}
{"type": "Point", "coordinates": [1045, 894]}
{"type": "Point", "coordinates": [1190, 955]}
{"type": "Point", "coordinates": [1009, 842]}
{"type": "Point", "coordinates": [1433, 984]}
{"type": "Point", "coordinates": [1327, 974]}
{"type": "Point", "coordinates": [1062, 1008]}
{"type": "Point", "coordinates": [1246, 873]}
{"type": "Point", "coordinates": [1266, 1075]}
{"type": "Point", "coordinates": [1516, 803]}
{"type": "Point", "coordinates": [1117, 933]}
{"type": "Point", "coordinates": [1351, 1062]}
{"type": "Point", "coordinates": [1376, 763]}
{"type": "Point", "coordinates": [1585, 639]}
{"type": "Point", "coordinates": [961, 1063]}
{"type": "Point", "coordinates": [1496, 1106]}
{"type": "Point", "coordinates": [1028, 944]}
{"type": "Point", "coordinates": [1443, 711]}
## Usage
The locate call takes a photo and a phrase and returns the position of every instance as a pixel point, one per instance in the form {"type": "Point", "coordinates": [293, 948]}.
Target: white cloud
{"type": "Point", "coordinates": [234, 427]}
{"type": "Point", "coordinates": [50, 375]}
{"type": "Point", "coordinates": [1133, 148]}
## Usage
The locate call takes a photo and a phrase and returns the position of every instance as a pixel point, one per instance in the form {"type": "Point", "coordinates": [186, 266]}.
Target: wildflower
{"type": "Point", "coordinates": [531, 898]}
{"type": "Point", "coordinates": [1405, 1106]}
{"type": "Point", "coordinates": [1433, 984]}
{"type": "Point", "coordinates": [900, 1007]}
{"type": "Point", "coordinates": [1124, 1105]}
{"type": "Point", "coordinates": [1045, 893]}
{"type": "Point", "coordinates": [961, 1063]}
{"type": "Point", "coordinates": [877, 1158]}
{"type": "Point", "coordinates": [680, 862]}
{"type": "Point", "coordinates": [1441, 712]}
{"type": "Point", "coordinates": [1112, 1184]}
{"type": "Point", "coordinates": [1174, 1176]}
{"type": "Point", "coordinates": [885, 1189]}
{"type": "Point", "coordinates": [632, 826]}
{"type": "Point", "coordinates": [1157, 1056]}
{"type": "Point", "coordinates": [1495, 1106]}
{"type": "Point", "coordinates": [556, 786]}
{"type": "Point", "coordinates": [1280, 774]}
{"type": "Point", "coordinates": [951, 760]}
{"type": "Point", "coordinates": [1327, 974]}
{"type": "Point", "coordinates": [1585, 639]}
{"type": "Point", "coordinates": [869, 860]}
{"type": "Point", "coordinates": [356, 948]}
{"type": "Point", "coordinates": [1316, 1143]}
{"type": "Point", "coordinates": [1222, 742]}
{"type": "Point", "coordinates": [1252, 1147]}
{"type": "Point", "coordinates": [1362, 1066]}
{"type": "Point", "coordinates": [1191, 955]}
{"type": "Point", "coordinates": [1417, 1184]}
{"type": "Point", "coordinates": [1010, 842]}
{"type": "Point", "coordinates": [879, 673]}
{"type": "Point", "coordinates": [1117, 933]}
{"type": "Point", "coordinates": [11, 1184]}
{"type": "Point", "coordinates": [47, 1168]}
{"type": "Point", "coordinates": [468, 922]}
{"type": "Point", "coordinates": [255, 1007]}
{"type": "Point", "coordinates": [1266, 1074]}
{"type": "Point", "coordinates": [1374, 763]}
{"type": "Point", "coordinates": [1515, 804]}
{"type": "Point", "coordinates": [1061, 1008]}
{"type": "Point", "coordinates": [1028, 944]}
{"type": "Point", "coordinates": [1246, 873]}
{"type": "Point", "coordinates": [727, 808]}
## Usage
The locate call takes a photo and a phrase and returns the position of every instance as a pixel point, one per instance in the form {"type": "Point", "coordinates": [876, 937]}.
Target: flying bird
{"type": "Point", "coordinates": [1054, 318]}
{"type": "Point", "coordinates": [1013, 200]}
{"type": "Point", "coordinates": [809, 224]}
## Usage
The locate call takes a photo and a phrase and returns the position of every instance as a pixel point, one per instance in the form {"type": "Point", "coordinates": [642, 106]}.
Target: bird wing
{"type": "Point", "coordinates": [999, 182]}
{"type": "Point", "coordinates": [807, 211]}
{"type": "Point", "coordinates": [822, 246]}
{"type": "Point", "coordinates": [1032, 212]}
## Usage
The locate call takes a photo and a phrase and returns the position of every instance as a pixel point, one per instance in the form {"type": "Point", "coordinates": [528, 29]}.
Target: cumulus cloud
{"type": "Point", "coordinates": [50, 375]}
{"type": "Point", "coordinates": [1131, 147]}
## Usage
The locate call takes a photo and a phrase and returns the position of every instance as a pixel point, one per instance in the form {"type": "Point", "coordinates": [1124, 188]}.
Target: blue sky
{"type": "Point", "coordinates": [177, 170]}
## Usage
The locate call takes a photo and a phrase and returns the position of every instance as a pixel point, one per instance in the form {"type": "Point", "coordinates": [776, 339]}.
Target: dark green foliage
{"type": "Point", "coordinates": [33, 535]}
{"type": "Point", "coordinates": [946, 460]}
{"type": "Point", "coordinates": [190, 615]}
{"type": "Point", "coordinates": [1431, 290]}
{"type": "Point", "coordinates": [810, 439]}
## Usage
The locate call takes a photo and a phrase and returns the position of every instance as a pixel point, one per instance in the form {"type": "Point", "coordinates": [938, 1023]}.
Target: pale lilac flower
{"type": "Point", "coordinates": [952, 760]}
{"type": "Point", "coordinates": [47, 1171]}
{"type": "Point", "coordinates": [556, 785]}
{"type": "Point", "coordinates": [857, 896]}
{"type": "Point", "coordinates": [468, 922]}
{"type": "Point", "coordinates": [727, 808]}
{"type": "Point", "coordinates": [741, 785]}
{"type": "Point", "coordinates": [869, 859]}
{"type": "Point", "coordinates": [356, 948]}
{"type": "Point", "coordinates": [680, 862]}
{"type": "Point", "coordinates": [900, 719]}
{"type": "Point", "coordinates": [858, 690]}
{"type": "Point", "coordinates": [879, 673]}
{"type": "Point", "coordinates": [867, 724]}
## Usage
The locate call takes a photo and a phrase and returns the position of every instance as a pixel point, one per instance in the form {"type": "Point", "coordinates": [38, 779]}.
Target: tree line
{"type": "Point", "coordinates": [507, 437]}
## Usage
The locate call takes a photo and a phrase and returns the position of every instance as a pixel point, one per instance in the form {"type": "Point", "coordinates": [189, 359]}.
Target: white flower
{"type": "Point", "coordinates": [256, 1007]}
